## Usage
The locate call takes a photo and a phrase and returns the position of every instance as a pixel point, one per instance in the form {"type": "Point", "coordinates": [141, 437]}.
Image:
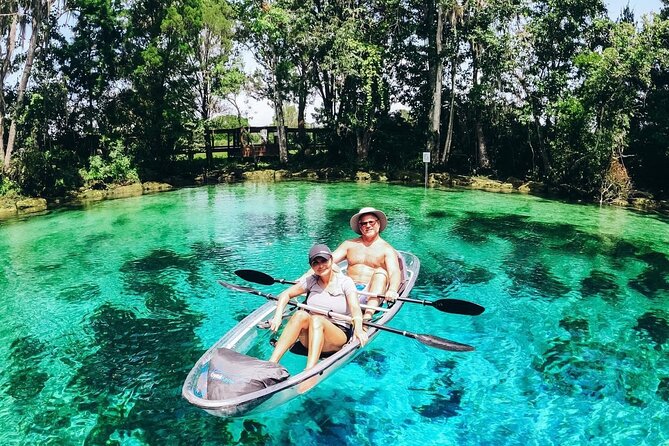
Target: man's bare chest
{"type": "Point", "coordinates": [365, 256]}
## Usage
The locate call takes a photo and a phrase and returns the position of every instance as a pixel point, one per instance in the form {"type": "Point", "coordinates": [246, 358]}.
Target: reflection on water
{"type": "Point", "coordinates": [105, 310]}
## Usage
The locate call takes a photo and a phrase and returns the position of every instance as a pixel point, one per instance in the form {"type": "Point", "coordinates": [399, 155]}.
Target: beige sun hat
{"type": "Point", "coordinates": [383, 220]}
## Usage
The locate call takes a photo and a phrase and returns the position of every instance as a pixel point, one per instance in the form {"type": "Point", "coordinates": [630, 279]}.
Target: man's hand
{"type": "Point", "coordinates": [391, 295]}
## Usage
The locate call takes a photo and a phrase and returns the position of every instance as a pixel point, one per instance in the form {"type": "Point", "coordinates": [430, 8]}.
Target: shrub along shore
{"type": "Point", "coordinates": [19, 206]}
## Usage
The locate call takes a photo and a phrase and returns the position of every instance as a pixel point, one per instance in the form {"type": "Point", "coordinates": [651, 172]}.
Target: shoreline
{"type": "Point", "coordinates": [16, 207]}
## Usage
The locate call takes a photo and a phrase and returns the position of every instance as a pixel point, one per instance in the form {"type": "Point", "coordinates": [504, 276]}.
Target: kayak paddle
{"type": "Point", "coordinates": [426, 339]}
{"type": "Point", "coordinates": [454, 306]}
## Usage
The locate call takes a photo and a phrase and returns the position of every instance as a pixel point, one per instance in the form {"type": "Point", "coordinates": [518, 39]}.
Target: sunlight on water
{"type": "Point", "coordinates": [106, 308]}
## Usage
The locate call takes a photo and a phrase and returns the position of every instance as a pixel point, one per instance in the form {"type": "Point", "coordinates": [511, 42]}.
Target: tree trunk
{"type": "Point", "coordinates": [435, 19]}
{"type": "Point", "coordinates": [481, 146]}
{"type": "Point", "coordinates": [205, 89]}
{"type": "Point", "coordinates": [363, 139]}
{"type": "Point", "coordinates": [27, 68]}
{"type": "Point", "coordinates": [301, 111]}
{"type": "Point", "coordinates": [205, 94]}
{"type": "Point", "coordinates": [280, 125]}
{"type": "Point", "coordinates": [540, 137]}
{"type": "Point", "coordinates": [484, 161]}
{"type": "Point", "coordinates": [445, 155]}
{"type": "Point", "coordinates": [536, 112]}
{"type": "Point", "coordinates": [326, 90]}
{"type": "Point", "coordinates": [4, 69]}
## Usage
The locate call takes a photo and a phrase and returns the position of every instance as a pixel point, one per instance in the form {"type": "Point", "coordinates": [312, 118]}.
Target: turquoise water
{"type": "Point", "coordinates": [105, 309]}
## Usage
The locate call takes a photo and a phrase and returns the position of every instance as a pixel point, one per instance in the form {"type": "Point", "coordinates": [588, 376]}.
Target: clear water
{"type": "Point", "coordinates": [105, 309]}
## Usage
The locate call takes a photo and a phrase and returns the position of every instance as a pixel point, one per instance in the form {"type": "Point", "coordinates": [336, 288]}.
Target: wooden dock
{"type": "Point", "coordinates": [258, 142]}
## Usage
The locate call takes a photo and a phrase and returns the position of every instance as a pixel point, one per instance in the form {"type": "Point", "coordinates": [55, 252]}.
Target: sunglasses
{"type": "Point", "coordinates": [318, 261]}
{"type": "Point", "coordinates": [368, 222]}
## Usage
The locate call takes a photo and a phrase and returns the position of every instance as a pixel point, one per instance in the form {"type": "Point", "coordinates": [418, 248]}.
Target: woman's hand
{"type": "Point", "coordinates": [275, 323]}
{"type": "Point", "coordinates": [361, 335]}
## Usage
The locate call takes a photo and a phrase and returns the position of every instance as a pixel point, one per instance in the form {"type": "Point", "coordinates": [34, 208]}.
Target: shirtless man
{"type": "Point", "coordinates": [372, 262]}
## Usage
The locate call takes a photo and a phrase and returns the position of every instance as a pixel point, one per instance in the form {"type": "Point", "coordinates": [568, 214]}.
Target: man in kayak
{"type": "Point", "coordinates": [326, 289]}
{"type": "Point", "coordinates": [372, 262]}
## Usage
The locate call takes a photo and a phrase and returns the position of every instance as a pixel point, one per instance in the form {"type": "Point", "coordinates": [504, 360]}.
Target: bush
{"type": "Point", "coordinates": [46, 173]}
{"type": "Point", "coordinates": [8, 188]}
{"type": "Point", "coordinates": [117, 169]}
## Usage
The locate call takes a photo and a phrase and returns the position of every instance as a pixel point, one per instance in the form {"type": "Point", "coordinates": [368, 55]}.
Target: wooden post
{"type": "Point", "coordinates": [208, 143]}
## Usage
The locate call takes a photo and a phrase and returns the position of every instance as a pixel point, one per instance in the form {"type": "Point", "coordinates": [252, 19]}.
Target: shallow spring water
{"type": "Point", "coordinates": [105, 309]}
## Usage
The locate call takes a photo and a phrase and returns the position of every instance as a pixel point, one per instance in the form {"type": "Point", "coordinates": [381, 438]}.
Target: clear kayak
{"type": "Point", "coordinates": [250, 337]}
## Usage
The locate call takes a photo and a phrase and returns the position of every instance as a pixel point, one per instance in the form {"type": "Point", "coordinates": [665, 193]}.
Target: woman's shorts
{"type": "Point", "coordinates": [348, 331]}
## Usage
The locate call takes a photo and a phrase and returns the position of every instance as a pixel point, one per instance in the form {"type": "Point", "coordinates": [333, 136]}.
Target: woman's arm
{"type": "Point", "coordinates": [284, 297]}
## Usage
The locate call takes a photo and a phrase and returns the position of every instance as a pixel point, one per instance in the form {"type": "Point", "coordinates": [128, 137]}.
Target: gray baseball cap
{"type": "Point", "coordinates": [319, 250]}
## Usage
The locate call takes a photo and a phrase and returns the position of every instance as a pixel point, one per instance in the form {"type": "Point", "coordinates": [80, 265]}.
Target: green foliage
{"type": "Point", "coordinates": [394, 147]}
{"type": "Point", "coordinates": [48, 173]}
{"type": "Point", "coordinates": [8, 188]}
{"type": "Point", "coordinates": [227, 122]}
{"type": "Point", "coordinates": [228, 79]}
{"type": "Point", "coordinates": [289, 116]}
{"type": "Point", "coordinates": [550, 89]}
{"type": "Point", "coordinates": [580, 157]}
{"type": "Point", "coordinates": [649, 136]}
{"type": "Point", "coordinates": [161, 43]}
{"type": "Point", "coordinates": [117, 168]}
{"type": "Point", "coordinates": [616, 80]}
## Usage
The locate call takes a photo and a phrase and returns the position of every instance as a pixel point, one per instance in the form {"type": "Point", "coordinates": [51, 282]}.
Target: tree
{"type": "Point", "coordinates": [351, 71]}
{"type": "Point", "coordinates": [289, 116]}
{"type": "Point", "coordinates": [616, 79]}
{"type": "Point", "coordinates": [90, 61]}
{"type": "Point", "coordinates": [455, 18]}
{"type": "Point", "coordinates": [545, 46]}
{"type": "Point", "coordinates": [36, 12]}
{"type": "Point", "coordinates": [9, 18]}
{"type": "Point", "coordinates": [480, 16]}
{"type": "Point", "coordinates": [435, 68]}
{"type": "Point", "coordinates": [159, 48]}
{"type": "Point", "coordinates": [647, 157]}
{"type": "Point", "coordinates": [305, 33]}
{"type": "Point", "coordinates": [214, 55]}
{"type": "Point", "coordinates": [266, 29]}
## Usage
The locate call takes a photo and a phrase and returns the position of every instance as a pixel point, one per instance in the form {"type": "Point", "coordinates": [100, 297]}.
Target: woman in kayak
{"type": "Point", "coordinates": [326, 289]}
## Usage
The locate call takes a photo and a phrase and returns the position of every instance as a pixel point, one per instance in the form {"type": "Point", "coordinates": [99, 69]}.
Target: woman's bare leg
{"type": "Point", "coordinates": [323, 336]}
{"type": "Point", "coordinates": [298, 322]}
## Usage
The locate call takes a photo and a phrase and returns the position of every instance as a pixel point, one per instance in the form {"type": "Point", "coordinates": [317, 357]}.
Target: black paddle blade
{"type": "Point", "coordinates": [442, 344]}
{"type": "Point", "coordinates": [457, 306]}
{"type": "Point", "coordinates": [255, 276]}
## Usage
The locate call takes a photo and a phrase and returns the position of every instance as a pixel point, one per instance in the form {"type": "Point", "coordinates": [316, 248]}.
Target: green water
{"type": "Point", "coordinates": [105, 309]}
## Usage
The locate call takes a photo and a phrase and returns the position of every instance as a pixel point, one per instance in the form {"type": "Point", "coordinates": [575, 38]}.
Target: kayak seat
{"type": "Point", "coordinates": [301, 350]}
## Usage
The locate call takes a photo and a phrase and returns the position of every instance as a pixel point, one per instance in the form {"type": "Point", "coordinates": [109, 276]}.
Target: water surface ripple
{"type": "Point", "coordinates": [106, 308]}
